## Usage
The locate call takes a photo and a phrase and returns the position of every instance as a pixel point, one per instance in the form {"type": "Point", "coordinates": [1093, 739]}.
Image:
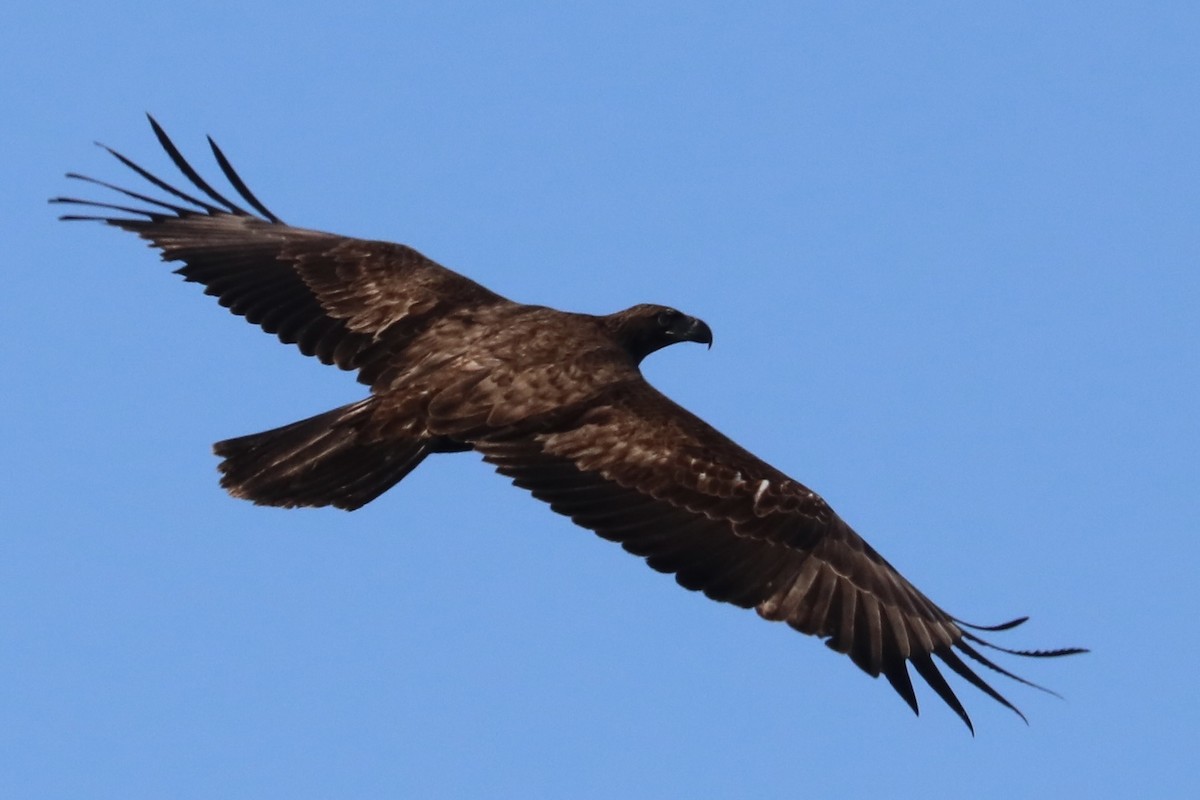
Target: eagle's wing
{"type": "Point", "coordinates": [638, 469]}
{"type": "Point", "coordinates": [349, 302]}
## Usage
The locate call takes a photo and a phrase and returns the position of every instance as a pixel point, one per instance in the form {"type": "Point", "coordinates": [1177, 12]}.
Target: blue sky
{"type": "Point", "coordinates": [949, 252]}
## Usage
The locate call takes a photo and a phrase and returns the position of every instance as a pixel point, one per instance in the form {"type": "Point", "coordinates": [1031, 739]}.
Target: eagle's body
{"type": "Point", "coordinates": [556, 401]}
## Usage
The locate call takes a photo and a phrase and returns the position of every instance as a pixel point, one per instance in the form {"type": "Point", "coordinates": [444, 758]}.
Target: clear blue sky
{"type": "Point", "coordinates": [950, 253]}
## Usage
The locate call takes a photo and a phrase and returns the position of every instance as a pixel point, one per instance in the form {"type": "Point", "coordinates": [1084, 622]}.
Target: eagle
{"type": "Point", "coordinates": [556, 402]}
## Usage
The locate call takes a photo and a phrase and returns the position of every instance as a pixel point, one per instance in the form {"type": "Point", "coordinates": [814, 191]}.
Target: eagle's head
{"type": "Point", "coordinates": [645, 328]}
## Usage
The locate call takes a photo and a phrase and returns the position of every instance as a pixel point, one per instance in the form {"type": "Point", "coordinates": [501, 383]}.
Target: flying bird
{"type": "Point", "coordinates": [553, 400]}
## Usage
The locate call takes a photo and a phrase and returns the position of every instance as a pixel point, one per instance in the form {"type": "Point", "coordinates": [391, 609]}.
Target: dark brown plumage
{"type": "Point", "coordinates": [555, 401]}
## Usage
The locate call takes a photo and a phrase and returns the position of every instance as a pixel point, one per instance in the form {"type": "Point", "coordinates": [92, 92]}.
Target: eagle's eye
{"type": "Point", "coordinates": [667, 317]}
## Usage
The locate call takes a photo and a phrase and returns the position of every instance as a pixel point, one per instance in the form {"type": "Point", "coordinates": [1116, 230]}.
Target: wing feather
{"type": "Point", "coordinates": [639, 470]}
{"type": "Point", "coordinates": [349, 302]}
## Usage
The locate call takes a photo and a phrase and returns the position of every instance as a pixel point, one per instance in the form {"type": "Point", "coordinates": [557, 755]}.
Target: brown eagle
{"type": "Point", "coordinates": [556, 402]}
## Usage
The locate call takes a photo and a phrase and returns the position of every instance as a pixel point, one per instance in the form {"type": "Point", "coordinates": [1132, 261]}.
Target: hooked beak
{"type": "Point", "coordinates": [698, 331]}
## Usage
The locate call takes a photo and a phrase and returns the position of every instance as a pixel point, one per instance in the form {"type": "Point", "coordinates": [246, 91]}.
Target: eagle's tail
{"type": "Point", "coordinates": [326, 460]}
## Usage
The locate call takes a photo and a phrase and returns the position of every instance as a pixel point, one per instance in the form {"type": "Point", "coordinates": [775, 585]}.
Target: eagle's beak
{"type": "Point", "coordinates": [698, 331]}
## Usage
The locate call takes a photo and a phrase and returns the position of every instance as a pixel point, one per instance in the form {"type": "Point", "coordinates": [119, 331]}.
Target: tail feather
{"type": "Point", "coordinates": [324, 460]}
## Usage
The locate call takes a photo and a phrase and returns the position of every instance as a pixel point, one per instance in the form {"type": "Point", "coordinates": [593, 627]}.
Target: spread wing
{"type": "Point", "coordinates": [640, 470]}
{"type": "Point", "coordinates": [349, 302]}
